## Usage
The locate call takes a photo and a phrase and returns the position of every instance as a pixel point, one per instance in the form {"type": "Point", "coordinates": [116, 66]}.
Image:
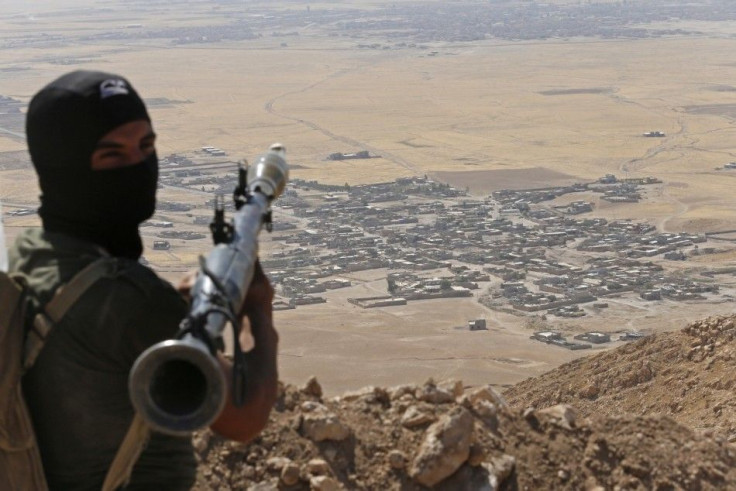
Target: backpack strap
{"type": "Point", "coordinates": [66, 296]}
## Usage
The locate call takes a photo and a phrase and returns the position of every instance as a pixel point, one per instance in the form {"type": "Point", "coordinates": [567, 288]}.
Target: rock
{"type": "Point", "coordinates": [265, 486]}
{"type": "Point", "coordinates": [318, 467]}
{"type": "Point", "coordinates": [435, 395]}
{"type": "Point", "coordinates": [312, 387]}
{"type": "Point", "coordinates": [323, 425]}
{"type": "Point", "coordinates": [415, 417]}
{"type": "Point", "coordinates": [590, 391]}
{"type": "Point", "coordinates": [477, 455]}
{"type": "Point", "coordinates": [499, 469]}
{"type": "Point", "coordinates": [407, 399]}
{"type": "Point", "coordinates": [445, 448]}
{"type": "Point", "coordinates": [311, 406]}
{"type": "Point", "coordinates": [402, 390]}
{"type": "Point", "coordinates": [290, 474]}
{"type": "Point", "coordinates": [201, 442]}
{"type": "Point", "coordinates": [561, 415]}
{"type": "Point", "coordinates": [455, 387]}
{"type": "Point", "coordinates": [485, 393]}
{"type": "Point", "coordinates": [368, 394]}
{"type": "Point", "coordinates": [400, 406]}
{"type": "Point", "coordinates": [396, 459]}
{"type": "Point", "coordinates": [480, 402]}
{"type": "Point", "coordinates": [277, 463]}
{"type": "Point", "coordinates": [530, 415]}
{"type": "Point", "coordinates": [487, 412]}
{"type": "Point", "coordinates": [357, 394]}
{"type": "Point", "coordinates": [324, 483]}
{"type": "Point", "coordinates": [382, 395]}
{"type": "Point", "coordinates": [330, 453]}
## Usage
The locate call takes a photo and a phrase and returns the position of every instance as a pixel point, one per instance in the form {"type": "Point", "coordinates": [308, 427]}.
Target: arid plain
{"type": "Point", "coordinates": [485, 115]}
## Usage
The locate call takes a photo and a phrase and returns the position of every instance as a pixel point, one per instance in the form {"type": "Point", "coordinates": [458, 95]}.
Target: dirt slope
{"type": "Point", "coordinates": [632, 418]}
{"type": "Point", "coordinates": [688, 375]}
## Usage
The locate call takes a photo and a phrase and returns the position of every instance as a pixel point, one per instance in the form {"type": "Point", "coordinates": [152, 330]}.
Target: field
{"type": "Point", "coordinates": [483, 115]}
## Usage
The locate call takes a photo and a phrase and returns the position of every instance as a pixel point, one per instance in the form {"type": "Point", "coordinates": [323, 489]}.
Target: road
{"type": "Point", "coordinates": [269, 107]}
{"type": "Point", "coordinates": [6, 131]}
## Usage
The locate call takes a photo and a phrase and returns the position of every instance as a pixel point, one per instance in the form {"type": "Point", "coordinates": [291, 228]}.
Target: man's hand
{"type": "Point", "coordinates": [186, 284]}
{"type": "Point", "coordinates": [245, 422]}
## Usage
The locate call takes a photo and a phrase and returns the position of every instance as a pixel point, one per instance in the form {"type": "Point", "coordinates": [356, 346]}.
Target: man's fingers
{"type": "Point", "coordinates": [247, 342]}
{"type": "Point", "coordinates": [186, 284]}
{"type": "Point", "coordinates": [260, 292]}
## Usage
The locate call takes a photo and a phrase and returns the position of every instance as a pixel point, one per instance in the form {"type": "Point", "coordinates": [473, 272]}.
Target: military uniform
{"type": "Point", "coordinates": [77, 390]}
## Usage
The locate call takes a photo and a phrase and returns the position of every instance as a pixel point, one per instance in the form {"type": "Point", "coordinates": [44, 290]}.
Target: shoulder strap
{"type": "Point", "coordinates": [133, 444]}
{"type": "Point", "coordinates": [66, 296]}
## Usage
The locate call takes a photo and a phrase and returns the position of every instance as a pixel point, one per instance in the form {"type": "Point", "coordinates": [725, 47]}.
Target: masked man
{"type": "Point", "coordinates": [93, 148]}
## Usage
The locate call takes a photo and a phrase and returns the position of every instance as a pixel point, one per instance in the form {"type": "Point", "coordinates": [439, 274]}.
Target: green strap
{"type": "Point", "coordinates": [66, 296]}
{"type": "Point", "coordinates": [138, 433]}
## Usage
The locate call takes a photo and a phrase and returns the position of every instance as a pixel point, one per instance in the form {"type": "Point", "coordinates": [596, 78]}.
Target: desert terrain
{"type": "Point", "coordinates": [657, 413]}
{"type": "Point", "coordinates": [479, 114]}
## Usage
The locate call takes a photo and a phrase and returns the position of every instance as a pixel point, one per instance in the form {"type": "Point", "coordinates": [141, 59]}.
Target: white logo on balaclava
{"type": "Point", "coordinates": [113, 86]}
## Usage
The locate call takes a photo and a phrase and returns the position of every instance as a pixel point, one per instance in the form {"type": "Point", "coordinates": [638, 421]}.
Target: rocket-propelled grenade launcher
{"type": "Point", "coordinates": [177, 386]}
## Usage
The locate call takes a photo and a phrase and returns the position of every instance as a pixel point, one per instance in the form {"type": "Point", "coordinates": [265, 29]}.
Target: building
{"type": "Point", "coordinates": [594, 337]}
{"type": "Point", "coordinates": [161, 245]}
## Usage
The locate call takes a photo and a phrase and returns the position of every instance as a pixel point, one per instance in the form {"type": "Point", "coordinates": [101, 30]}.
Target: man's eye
{"type": "Point", "coordinates": [112, 153]}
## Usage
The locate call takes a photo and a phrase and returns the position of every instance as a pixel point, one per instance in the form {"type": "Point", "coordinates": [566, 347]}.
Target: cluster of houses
{"type": "Point", "coordinates": [557, 339]}
{"type": "Point", "coordinates": [612, 189]}
{"type": "Point", "coordinates": [562, 288]}
{"type": "Point", "coordinates": [499, 243]}
{"type": "Point", "coordinates": [409, 227]}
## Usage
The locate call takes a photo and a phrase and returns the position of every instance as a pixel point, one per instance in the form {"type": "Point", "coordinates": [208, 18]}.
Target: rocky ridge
{"type": "Point", "coordinates": [687, 375]}
{"type": "Point", "coordinates": [655, 414]}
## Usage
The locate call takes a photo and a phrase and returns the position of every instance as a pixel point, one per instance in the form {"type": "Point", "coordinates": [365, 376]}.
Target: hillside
{"type": "Point", "coordinates": [627, 419]}
{"type": "Point", "coordinates": [687, 375]}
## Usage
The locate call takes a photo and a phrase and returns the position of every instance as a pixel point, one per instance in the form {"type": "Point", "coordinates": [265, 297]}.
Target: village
{"type": "Point", "coordinates": [524, 252]}
{"type": "Point", "coordinates": [436, 241]}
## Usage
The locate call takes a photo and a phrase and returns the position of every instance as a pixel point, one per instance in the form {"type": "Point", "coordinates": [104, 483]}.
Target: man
{"type": "Point", "coordinates": [93, 148]}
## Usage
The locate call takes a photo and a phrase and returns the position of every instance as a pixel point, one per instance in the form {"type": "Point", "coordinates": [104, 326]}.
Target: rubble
{"type": "Point", "coordinates": [445, 448]}
{"type": "Point", "coordinates": [657, 413]}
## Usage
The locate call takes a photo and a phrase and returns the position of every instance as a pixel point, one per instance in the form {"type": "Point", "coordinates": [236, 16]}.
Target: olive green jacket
{"type": "Point", "coordinates": [77, 391]}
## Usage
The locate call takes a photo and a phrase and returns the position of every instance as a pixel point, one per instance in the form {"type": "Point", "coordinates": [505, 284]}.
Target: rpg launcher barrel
{"type": "Point", "coordinates": [177, 385]}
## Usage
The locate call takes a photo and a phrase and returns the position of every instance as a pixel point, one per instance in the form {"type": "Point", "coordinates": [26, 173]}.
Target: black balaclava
{"type": "Point", "coordinates": [65, 121]}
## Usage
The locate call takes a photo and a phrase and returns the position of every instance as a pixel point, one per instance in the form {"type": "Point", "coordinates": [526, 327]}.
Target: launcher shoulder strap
{"type": "Point", "coordinates": [66, 296]}
{"type": "Point", "coordinates": [127, 455]}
